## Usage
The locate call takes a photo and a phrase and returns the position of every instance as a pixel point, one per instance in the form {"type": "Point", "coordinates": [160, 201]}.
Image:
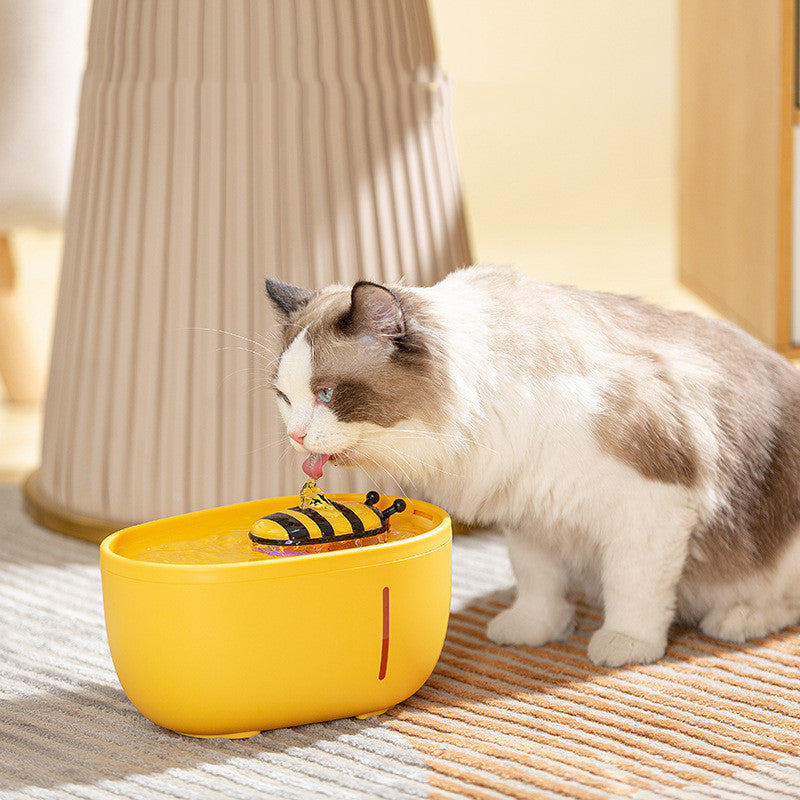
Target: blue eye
{"type": "Point", "coordinates": [324, 395]}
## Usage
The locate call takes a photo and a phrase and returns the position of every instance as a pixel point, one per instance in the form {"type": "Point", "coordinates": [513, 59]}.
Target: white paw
{"type": "Point", "coordinates": [741, 622]}
{"type": "Point", "coordinates": [520, 625]}
{"type": "Point", "coordinates": [733, 624]}
{"type": "Point", "coordinates": [613, 649]}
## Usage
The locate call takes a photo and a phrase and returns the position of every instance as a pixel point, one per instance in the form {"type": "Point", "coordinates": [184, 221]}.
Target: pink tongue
{"type": "Point", "coordinates": [313, 465]}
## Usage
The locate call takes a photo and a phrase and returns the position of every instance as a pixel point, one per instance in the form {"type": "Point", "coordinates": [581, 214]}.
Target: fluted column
{"type": "Point", "coordinates": [220, 143]}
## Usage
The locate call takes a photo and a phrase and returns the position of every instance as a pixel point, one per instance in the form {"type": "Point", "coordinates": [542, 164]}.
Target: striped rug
{"type": "Point", "coordinates": [709, 721]}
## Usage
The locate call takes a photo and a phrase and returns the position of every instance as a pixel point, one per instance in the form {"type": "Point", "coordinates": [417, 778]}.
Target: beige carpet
{"type": "Point", "coordinates": [709, 721]}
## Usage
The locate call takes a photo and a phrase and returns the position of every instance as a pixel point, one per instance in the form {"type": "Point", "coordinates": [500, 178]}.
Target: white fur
{"type": "Point", "coordinates": [759, 604]}
{"type": "Point", "coordinates": [304, 414]}
{"type": "Point", "coordinates": [519, 452]}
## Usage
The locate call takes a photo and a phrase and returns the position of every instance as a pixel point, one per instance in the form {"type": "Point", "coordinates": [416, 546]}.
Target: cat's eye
{"type": "Point", "coordinates": [282, 396]}
{"type": "Point", "coordinates": [325, 395]}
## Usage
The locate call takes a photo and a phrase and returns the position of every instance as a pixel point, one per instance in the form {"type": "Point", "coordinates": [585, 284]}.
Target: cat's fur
{"type": "Point", "coordinates": [652, 455]}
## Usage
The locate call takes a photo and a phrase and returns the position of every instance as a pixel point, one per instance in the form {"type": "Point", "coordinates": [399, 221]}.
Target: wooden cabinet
{"type": "Point", "coordinates": [738, 111]}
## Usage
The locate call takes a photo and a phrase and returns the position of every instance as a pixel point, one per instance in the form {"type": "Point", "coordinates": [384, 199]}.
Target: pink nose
{"type": "Point", "coordinates": [298, 437]}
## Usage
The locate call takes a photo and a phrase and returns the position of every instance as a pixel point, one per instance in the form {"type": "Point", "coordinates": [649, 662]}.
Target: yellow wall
{"type": "Point", "coordinates": [565, 122]}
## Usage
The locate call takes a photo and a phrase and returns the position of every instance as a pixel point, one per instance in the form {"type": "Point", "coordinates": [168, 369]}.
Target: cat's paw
{"type": "Point", "coordinates": [609, 648]}
{"type": "Point", "coordinates": [522, 626]}
{"type": "Point", "coordinates": [733, 624]}
{"type": "Point", "coordinates": [740, 622]}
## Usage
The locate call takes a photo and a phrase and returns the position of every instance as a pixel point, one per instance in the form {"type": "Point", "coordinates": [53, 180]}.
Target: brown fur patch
{"type": "Point", "coordinates": [762, 513]}
{"type": "Point", "coordinates": [374, 380]}
{"type": "Point", "coordinates": [642, 426]}
{"type": "Point", "coordinates": [750, 395]}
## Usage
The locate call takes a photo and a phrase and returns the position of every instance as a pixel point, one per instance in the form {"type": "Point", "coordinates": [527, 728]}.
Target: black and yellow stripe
{"type": "Point", "coordinates": [336, 522]}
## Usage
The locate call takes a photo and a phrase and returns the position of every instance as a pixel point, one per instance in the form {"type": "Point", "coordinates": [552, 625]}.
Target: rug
{"type": "Point", "coordinates": [711, 720]}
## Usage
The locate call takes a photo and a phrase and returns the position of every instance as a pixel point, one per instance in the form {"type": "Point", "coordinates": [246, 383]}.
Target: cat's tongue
{"type": "Point", "coordinates": [313, 465]}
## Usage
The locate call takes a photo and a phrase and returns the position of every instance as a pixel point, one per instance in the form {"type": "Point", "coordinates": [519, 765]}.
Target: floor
{"type": "Point", "coordinates": [711, 720]}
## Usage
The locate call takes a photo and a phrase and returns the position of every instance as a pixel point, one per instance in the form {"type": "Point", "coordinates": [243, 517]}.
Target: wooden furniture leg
{"type": "Point", "coordinates": [21, 365]}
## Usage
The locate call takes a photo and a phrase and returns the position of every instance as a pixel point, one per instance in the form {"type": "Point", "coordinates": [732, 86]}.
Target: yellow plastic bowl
{"type": "Point", "coordinates": [234, 649]}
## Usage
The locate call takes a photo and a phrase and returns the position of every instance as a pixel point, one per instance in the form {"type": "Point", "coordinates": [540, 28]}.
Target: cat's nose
{"type": "Point", "coordinates": [298, 437]}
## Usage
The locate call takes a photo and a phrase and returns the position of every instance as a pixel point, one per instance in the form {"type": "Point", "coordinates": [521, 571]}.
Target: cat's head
{"type": "Point", "coordinates": [361, 378]}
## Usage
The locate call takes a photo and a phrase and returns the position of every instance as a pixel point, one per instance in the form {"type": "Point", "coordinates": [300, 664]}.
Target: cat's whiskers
{"type": "Point", "coordinates": [451, 438]}
{"type": "Point", "coordinates": [274, 442]}
{"type": "Point", "coordinates": [252, 372]}
{"type": "Point", "coordinates": [267, 446]}
{"type": "Point", "coordinates": [419, 461]}
{"type": "Point", "coordinates": [267, 367]}
{"type": "Point", "coordinates": [271, 361]}
{"type": "Point", "coordinates": [385, 470]}
{"type": "Point", "coordinates": [408, 478]}
{"type": "Point", "coordinates": [412, 465]}
{"type": "Point", "coordinates": [281, 452]}
{"type": "Point", "coordinates": [263, 353]}
{"type": "Point", "coordinates": [404, 473]}
{"type": "Point", "coordinates": [397, 454]}
{"type": "Point", "coordinates": [260, 345]}
{"type": "Point", "coordinates": [259, 385]}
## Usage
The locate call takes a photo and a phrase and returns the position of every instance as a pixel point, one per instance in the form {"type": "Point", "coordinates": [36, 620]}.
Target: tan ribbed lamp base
{"type": "Point", "coordinates": [56, 518]}
{"type": "Point", "coordinates": [220, 144]}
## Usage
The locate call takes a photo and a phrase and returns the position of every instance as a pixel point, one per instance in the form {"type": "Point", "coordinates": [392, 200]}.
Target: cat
{"type": "Point", "coordinates": [649, 456]}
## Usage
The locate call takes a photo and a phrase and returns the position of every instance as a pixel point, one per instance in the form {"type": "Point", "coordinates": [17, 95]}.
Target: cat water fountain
{"type": "Point", "coordinates": [277, 612]}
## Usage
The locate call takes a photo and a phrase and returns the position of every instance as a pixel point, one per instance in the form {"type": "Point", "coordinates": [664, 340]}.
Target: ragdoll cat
{"type": "Point", "coordinates": [651, 455]}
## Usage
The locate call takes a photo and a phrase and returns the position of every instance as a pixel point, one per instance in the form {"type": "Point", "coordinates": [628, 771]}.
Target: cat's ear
{"type": "Point", "coordinates": [374, 311]}
{"type": "Point", "coordinates": [287, 299]}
